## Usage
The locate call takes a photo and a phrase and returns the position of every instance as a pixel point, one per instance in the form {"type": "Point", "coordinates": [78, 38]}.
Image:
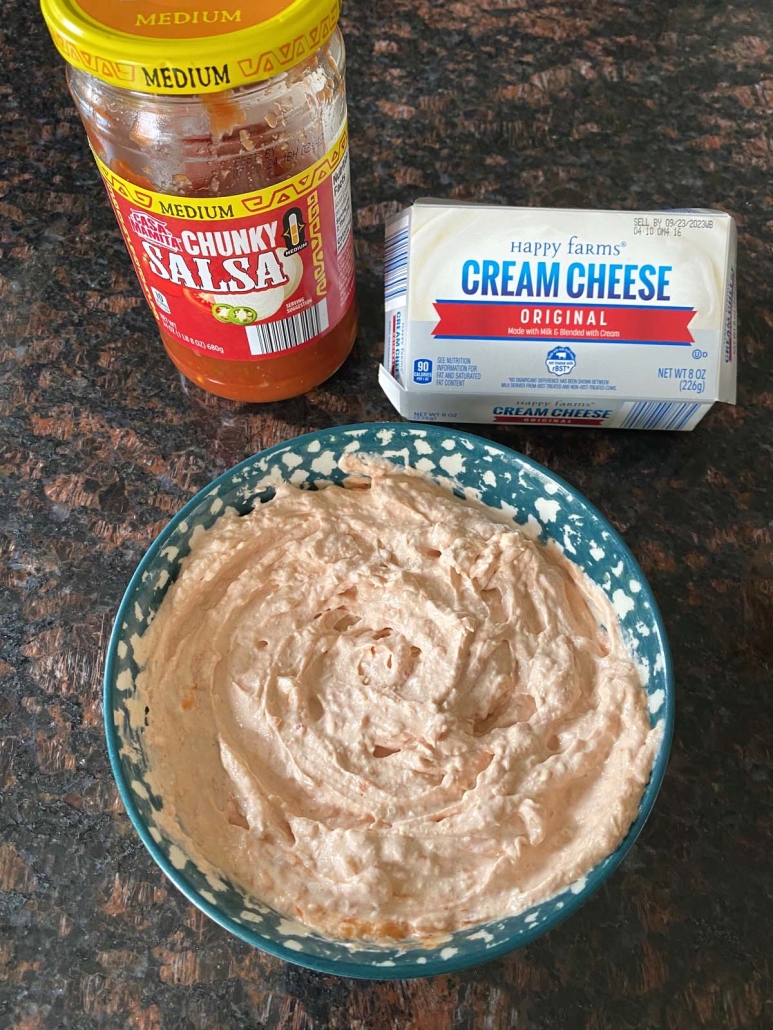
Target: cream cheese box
{"type": "Point", "coordinates": [621, 319]}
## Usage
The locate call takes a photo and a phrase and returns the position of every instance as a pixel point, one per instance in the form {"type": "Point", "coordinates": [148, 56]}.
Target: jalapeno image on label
{"type": "Point", "coordinates": [222, 312]}
{"type": "Point", "coordinates": [242, 315]}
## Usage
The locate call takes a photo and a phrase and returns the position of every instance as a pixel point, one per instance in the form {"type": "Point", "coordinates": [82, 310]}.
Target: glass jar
{"type": "Point", "coordinates": [234, 203]}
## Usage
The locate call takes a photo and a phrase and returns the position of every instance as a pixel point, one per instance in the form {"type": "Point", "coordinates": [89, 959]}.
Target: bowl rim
{"type": "Point", "coordinates": [595, 878]}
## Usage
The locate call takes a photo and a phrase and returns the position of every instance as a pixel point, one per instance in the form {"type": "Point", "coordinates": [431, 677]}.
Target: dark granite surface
{"type": "Point", "coordinates": [588, 103]}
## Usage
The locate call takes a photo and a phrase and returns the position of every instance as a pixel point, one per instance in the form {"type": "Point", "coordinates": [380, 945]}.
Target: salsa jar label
{"type": "Point", "coordinates": [245, 277]}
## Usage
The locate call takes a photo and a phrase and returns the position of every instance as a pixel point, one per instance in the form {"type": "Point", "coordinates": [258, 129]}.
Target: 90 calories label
{"type": "Point", "coordinates": [249, 276]}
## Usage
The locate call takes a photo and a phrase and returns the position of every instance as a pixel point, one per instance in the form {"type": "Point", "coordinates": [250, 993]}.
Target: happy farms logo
{"type": "Point", "coordinates": [153, 230]}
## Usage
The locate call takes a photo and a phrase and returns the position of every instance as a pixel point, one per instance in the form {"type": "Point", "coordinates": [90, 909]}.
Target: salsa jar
{"type": "Point", "coordinates": [220, 133]}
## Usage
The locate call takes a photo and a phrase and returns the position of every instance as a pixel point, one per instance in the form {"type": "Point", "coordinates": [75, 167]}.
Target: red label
{"type": "Point", "coordinates": [246, 277]}
{"type": "Point", "coordinates": [490, 320]}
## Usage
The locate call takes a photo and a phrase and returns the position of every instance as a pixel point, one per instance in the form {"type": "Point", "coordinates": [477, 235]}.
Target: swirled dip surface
{"type": "Point", "coordinates": [385, 712]}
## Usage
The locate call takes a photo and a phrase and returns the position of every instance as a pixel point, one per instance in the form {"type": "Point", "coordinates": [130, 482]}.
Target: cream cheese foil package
{"type": "Point", "coordinates": [621, 319]}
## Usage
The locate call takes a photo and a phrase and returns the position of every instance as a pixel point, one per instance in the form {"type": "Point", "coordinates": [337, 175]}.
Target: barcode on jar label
{"type": "Point", "coordinates": [286, 333]}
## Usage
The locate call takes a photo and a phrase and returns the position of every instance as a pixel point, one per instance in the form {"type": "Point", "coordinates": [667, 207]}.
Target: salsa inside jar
{"type": "Point", "coordinates": [236, 209]}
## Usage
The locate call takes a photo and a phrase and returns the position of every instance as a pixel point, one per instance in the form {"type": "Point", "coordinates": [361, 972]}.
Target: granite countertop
{"type": "Point", "coordinates": [600, 103]}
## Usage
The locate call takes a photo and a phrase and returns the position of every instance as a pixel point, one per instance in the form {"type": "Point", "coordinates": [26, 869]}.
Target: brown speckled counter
{"type": "Point", "coordinates": [603, 104]}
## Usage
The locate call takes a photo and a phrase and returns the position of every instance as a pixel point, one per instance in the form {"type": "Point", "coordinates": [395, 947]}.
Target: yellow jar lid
{"type": "Point", "coordinates": [188, 46]}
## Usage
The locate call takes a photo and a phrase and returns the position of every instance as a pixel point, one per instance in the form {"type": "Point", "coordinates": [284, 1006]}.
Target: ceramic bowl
{"type": "Point", "coordinates": [529, 493]}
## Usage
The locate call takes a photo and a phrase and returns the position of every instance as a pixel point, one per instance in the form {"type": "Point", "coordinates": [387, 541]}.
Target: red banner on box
{"type": "Point", "coordinates": [602, 324]}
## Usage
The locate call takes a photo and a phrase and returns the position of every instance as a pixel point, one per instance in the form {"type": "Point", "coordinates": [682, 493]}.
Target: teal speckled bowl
{"type": "Point", "coordinates": [504, 479]}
